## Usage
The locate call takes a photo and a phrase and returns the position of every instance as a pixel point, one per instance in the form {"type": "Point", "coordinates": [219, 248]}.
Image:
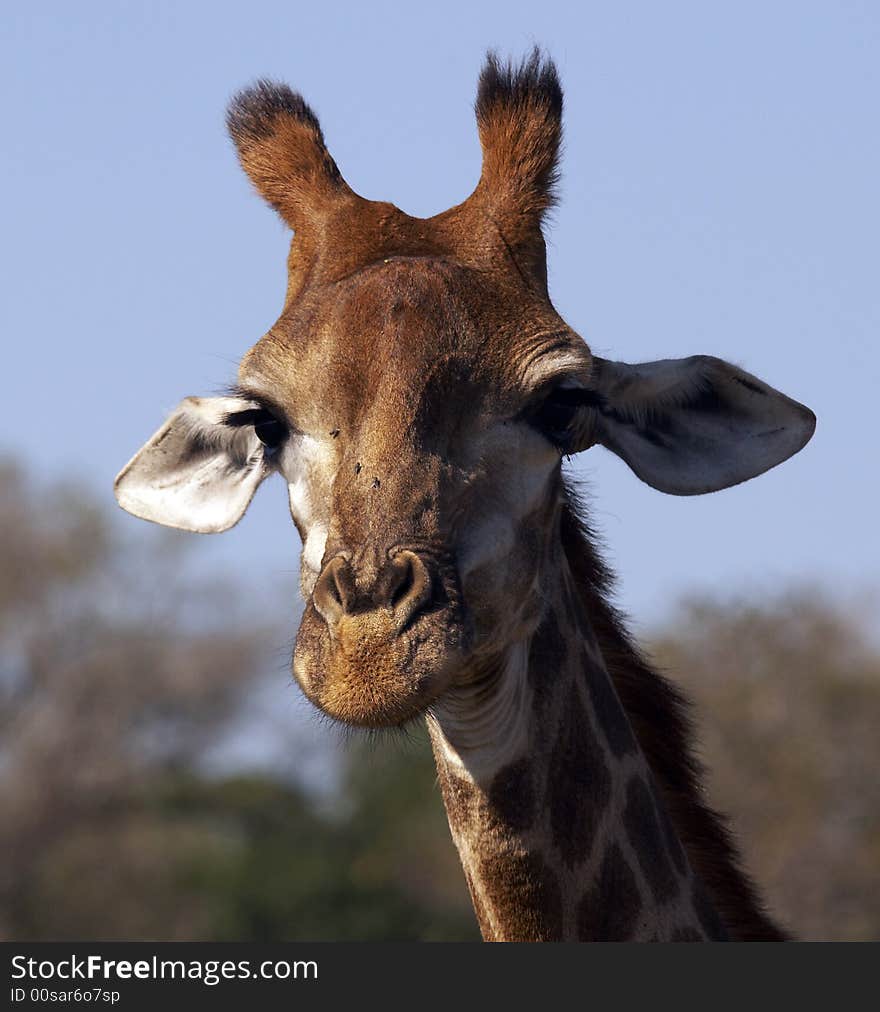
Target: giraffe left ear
{"type": "Point", "coordinates": [694, 425]}
{"type": "Point", "coordinates": [200, 471]}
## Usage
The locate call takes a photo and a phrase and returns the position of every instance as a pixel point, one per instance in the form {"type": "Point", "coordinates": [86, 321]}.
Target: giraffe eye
{"type": "Point", "coordinates": [270, 432]}
{"type": "Point", "coordinates": [556, 414]}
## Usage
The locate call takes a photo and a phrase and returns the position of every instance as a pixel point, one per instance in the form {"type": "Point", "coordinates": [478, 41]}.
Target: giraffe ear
{"type": "Point", "coordinates": [694, 425]}
{"type": "Point", "coordinates": [281, 148]}
{"type": "Point", "coordinates": [200, 471]}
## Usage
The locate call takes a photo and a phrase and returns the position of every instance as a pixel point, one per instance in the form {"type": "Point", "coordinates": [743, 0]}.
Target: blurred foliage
{"type": "Point", "coordinates": [241, 858]}
{"type": "Point", "coordinates": [788, 710]}
{"type": "Point", "coordinates": [119, 673]}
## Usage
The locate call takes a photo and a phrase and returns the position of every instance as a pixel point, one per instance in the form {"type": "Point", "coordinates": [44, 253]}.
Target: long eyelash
{"type": "Point", "coordinates": [576, 396]}
{"type": "Point", "coordinates": [266, 403]}
{"type": "Point", "coordinates": [250, 416]}
{"type": "Point", "coordinates": [268, 410]}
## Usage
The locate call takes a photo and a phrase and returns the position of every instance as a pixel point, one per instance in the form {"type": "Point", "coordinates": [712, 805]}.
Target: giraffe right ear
{"type": "Point", "coordinates": [693, 425]}
{"type": "Point", "coordinates": [200, 471]}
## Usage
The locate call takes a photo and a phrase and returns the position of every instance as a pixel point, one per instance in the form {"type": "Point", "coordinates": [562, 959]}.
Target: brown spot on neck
{"type": "Point", "coordinates": [512, 798]}
{"type": "Point", "coordinates": [659, 717]}
{"type": "Point", "coordinates": [610, 908]}
{"type": "Point", "coordinates": [578, 783]}
{"type": "Point", "coordinates": [646, 839]}
{"type": "Point", "coordinates": [577, 835]}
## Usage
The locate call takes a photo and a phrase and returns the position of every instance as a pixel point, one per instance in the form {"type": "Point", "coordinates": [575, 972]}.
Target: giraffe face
{"type": "Point", "coordinates": [417, 395]}
{"type": "Point", "coordinates": [422, 470]}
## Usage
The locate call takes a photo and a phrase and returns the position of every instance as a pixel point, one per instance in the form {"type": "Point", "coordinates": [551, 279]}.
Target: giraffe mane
{"type": "Point", "coordinates": [661, 718]}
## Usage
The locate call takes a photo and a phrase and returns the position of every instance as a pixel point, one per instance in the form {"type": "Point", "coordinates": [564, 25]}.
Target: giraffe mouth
{"type": "Point", "coordinates": [368, 672]}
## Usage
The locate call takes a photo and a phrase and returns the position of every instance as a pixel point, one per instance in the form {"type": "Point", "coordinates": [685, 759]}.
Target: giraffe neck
{"type": "Point", "coordinates": [561, 830]}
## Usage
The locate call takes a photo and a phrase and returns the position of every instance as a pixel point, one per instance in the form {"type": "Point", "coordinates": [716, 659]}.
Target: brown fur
{"type": "Point", "coordinates": [398, 336]}
{"type": "Point", "coordinates": [659, 714]}
{"type": "Point", "coordinates": [610, 907]}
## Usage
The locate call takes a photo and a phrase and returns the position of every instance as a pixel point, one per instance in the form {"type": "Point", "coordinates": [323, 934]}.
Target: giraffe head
{"type": "Point", "coordinates": [417, 395]}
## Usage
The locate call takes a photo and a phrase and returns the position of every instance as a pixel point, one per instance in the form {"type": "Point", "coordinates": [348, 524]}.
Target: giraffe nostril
{"type": "Point", "coordinates": [401, 580]}
{"type": "Point", "coordinates": [334, 595]}
{"type": "Point", "coordinates": [403, 587]}
{"type": "Point", "coordinates": [412, 588]}
{"type": "Point", "coordinates": [333, 592]}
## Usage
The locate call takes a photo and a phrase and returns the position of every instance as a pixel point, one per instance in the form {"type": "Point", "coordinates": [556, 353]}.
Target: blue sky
{"type": "Point", "coordinates": [719, 195]}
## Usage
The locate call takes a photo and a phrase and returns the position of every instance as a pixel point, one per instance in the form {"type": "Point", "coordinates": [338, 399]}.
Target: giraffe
{"type": "Point", "coordinates": [417, 395]}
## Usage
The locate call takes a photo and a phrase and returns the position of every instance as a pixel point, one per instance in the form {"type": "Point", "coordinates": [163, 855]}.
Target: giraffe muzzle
{"type": "Point", "coordinates": [382, 636]}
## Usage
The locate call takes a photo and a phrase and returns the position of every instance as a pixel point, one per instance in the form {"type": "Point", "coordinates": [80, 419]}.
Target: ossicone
{"type": "Point", "coordinates": [519, 116]}
{"type": "Point", "coordinates": [281, 148]}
